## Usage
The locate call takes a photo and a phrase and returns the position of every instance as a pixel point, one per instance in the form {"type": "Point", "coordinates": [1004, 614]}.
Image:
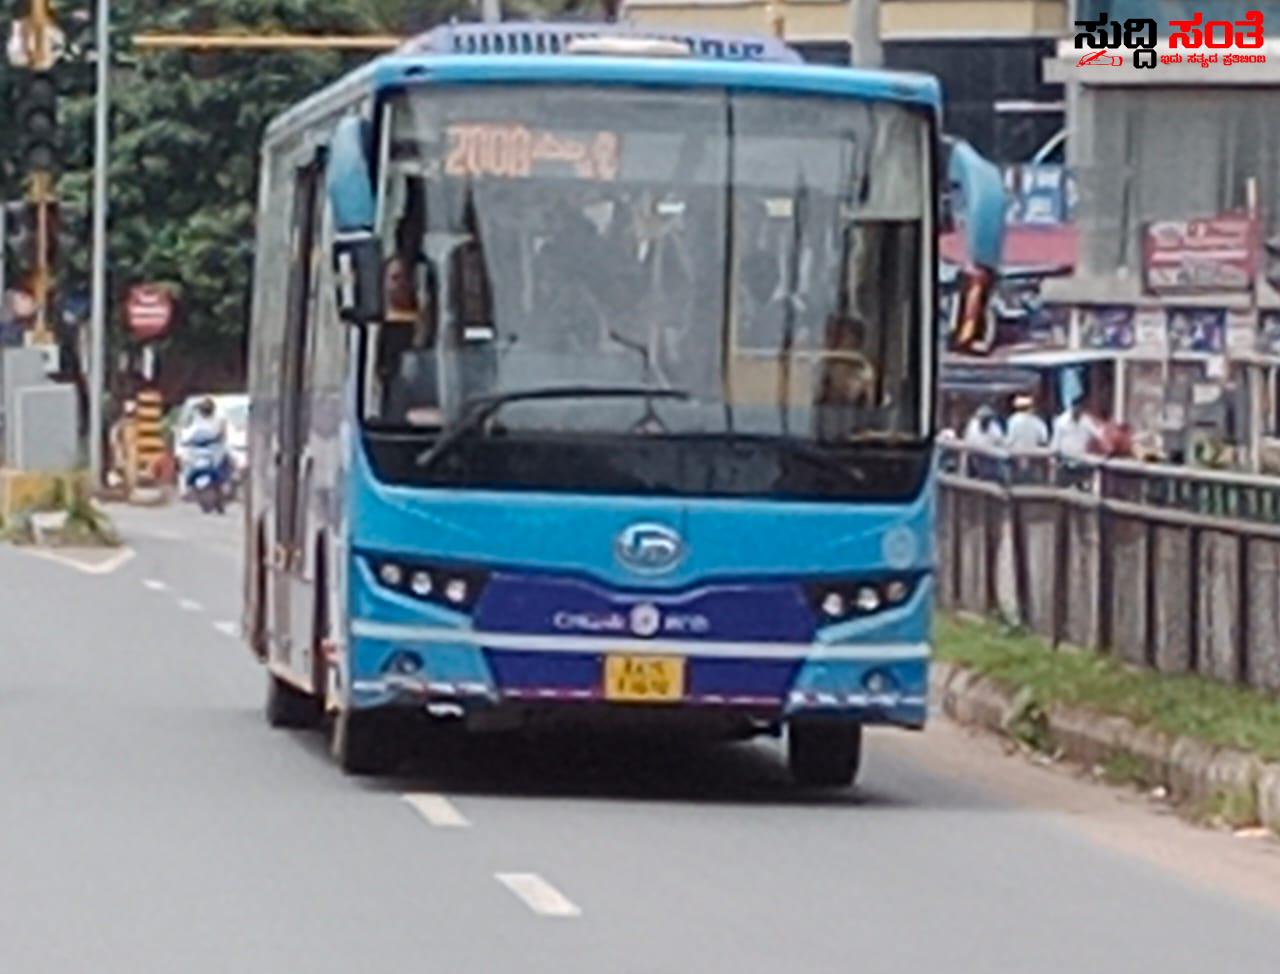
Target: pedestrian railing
{"type": "Point", "coordinates": [1216, 493]}
{"type": "Point", "coordinates": [1169, 567]}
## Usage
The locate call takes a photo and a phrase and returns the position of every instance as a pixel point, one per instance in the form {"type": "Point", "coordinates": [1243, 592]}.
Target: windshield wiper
{"type": "Point", "coordinates": [476, 411]}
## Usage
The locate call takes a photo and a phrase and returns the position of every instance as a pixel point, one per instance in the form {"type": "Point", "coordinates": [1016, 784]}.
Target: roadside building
{"type": "Point", "coordinates": [988, 54]}
{"type": "Point", "coordinates": [1177, 176]}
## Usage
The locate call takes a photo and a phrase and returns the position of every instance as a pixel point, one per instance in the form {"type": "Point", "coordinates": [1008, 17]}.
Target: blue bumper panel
{"type": "Point", "coordinates": [841, 686]}
{"type": "Point", "coordinates": [578, 676]}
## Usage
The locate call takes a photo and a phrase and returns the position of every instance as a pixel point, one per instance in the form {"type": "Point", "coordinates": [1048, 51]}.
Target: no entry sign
{"type": "Point", "coordinates": [148, 311]}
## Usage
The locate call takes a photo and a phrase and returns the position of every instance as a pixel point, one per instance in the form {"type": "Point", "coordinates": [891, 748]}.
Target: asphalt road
{"type": "Point", "coordinates": [150, 821]}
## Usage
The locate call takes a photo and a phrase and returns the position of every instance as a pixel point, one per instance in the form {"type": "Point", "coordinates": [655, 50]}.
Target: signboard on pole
{"type": "Point", "coordinates": [148, 311]}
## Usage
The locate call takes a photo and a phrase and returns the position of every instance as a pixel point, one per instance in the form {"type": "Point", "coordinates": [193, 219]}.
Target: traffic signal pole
{"type": "Point", "coordinates": [41, 196]}
{"type": "Point", "coordinates": [40, 187]}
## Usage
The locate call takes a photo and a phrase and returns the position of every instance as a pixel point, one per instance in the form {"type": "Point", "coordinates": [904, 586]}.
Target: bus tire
{"type": "Point", "coordinates": [289, 707]}
{"type": "Point", "coordinates": [362, 743]}
{"type": "Point", "coordinates": [824, 752]}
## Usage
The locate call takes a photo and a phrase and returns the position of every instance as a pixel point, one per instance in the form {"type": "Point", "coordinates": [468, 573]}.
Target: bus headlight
{"type": "Point", "coordinates": [868, 598]}
{"type": "Point", "coordinates": [420, 583]}
{"type": "Point", "coordinates": [833, 605]}
{"type": "Point", "coordinates": [456, 588]}
{"type": "Point", "coordinates": [896, 591]}
{"type": "Point", "coordinates": [850, 598]}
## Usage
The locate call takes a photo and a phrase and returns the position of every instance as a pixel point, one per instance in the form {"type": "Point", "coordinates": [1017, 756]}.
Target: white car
{"type": "Point", "coordinates": [234, 409]}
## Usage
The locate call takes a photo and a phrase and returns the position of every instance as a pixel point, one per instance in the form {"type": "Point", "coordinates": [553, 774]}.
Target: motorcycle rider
{"type": "Point", "coordinates": [208, 431]}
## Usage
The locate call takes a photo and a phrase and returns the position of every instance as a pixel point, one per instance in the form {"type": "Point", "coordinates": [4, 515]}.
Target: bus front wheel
{"type": "Point", "coordinates": [362, 743]}
{"type": "Point", "coordinates": [824, 752]}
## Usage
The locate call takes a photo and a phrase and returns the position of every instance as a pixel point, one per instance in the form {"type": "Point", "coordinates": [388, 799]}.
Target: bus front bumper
{"type": "Point", "coordinates": [409, 665]}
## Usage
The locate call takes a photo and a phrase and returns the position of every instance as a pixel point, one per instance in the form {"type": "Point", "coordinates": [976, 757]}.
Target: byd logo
{"type": "Point", "coordinates": [649, 548]}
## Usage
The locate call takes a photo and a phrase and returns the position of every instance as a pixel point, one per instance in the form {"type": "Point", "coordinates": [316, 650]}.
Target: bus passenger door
{"type": "Point", "coordinates": [291, 642]}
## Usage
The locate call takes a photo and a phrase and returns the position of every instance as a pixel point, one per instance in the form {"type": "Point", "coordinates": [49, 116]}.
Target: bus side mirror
{"type": "Point", "coordinates": [357, 272]}
{"type": "Point", "coordinates": [978, 203]}
{"type": "Point", "coordinates": [357, 260]}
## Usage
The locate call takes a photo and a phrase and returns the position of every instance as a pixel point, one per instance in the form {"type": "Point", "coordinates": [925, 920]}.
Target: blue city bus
{"type": "Point", "coordinates": [593, 382]}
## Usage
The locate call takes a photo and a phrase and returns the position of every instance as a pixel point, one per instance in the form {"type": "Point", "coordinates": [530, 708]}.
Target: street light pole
{"type": "Point", "coordinates": [865, 49]}
{"type": "Point", "coordinates": [98, 315]}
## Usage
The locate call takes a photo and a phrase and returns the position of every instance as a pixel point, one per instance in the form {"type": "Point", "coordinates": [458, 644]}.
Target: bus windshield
{"type": "Point", "coordinates": [764, 254]}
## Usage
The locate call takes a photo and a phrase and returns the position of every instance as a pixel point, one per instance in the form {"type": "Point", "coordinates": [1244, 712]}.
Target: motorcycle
{"type": "Point", "coordinates": [208, 474]}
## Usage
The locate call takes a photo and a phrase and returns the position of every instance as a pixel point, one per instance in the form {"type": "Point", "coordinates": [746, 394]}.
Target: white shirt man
{"type": "Point", "coordinates": [1074, 431]}
{"type": "Point", "coordinates": [1027, 431]}
{"type": "Point", "coordinates": [983, 429]}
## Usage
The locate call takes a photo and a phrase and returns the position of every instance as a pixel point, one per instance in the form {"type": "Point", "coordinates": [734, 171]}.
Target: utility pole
{"type": "Point", "coordinates": [777, 19]}
{"type": "Point", "coordinates": [865, 50]}
{"type": "Point", "coordinates": [98, 313]}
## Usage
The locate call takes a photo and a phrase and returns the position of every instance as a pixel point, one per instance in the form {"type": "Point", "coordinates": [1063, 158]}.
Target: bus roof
{"type": "Point", "coordinates": [445, 55]}
{"type": "Point", "coordinates": [535, 37]}
{"type": "Point", "coordinates": [396, 71]}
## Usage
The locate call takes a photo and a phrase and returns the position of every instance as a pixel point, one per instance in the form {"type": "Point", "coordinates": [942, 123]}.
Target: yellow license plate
{"type": "Point", "coordinates": [643, 679]}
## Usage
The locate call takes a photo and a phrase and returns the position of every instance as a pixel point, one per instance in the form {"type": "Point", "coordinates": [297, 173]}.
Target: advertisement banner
{"type": "Point", "coordinates": [1150, 331]}
{"type": "Point", "coordinates": [1197, 330]}
{"type": "Point", "coordinates": [1106, 328]}
{"type": "Point", "coordinates": [1039, 195]}
{"type": "Point", "coordinates": [1199, 256]}
{"type": "Point", "coordinates": [1269, 333]}
{"type": "Point", "coordinates": [1242, 332]}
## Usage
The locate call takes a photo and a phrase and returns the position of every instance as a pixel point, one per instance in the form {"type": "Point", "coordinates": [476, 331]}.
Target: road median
{"type": "Point", "coordinates": [1214, 750]}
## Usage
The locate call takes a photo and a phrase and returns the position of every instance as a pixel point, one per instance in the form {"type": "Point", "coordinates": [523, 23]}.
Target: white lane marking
{"type": "Point", "coordinates": [105, 567]}
{"type": "Point", "coordinates": [437, 810]}
{"type": "Point", "coordinates": [538, 895]}
{"type": "Point", "coordinates": [190, 605]}
{"type": "Point", "coordinates": [154, 584]}
{"type": "Point", "coordinates": [228, 629]}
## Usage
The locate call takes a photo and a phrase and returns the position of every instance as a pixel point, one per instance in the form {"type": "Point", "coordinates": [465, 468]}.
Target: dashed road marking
{"type": "Point", "coordinates": [154, 584]}
{"type": "Point", "coordinates": [437, 810]}
{"type": "Point", "coordinates": [190, 605]}
{"type": "Point", "coordinates": [228, 629]}
{"type": "Point", "coordinates": [538, 895]}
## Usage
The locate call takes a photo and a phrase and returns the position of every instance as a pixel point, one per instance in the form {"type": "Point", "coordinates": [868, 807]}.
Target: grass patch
{"type": "Point", "coordinates": [1233, 808]}
{"type": "Point", "coordinates": [86, 526]}
{"type": "Point", "coordinates": [1182, 705]}
{"type": "Point", "coordinates": [1124, 769]}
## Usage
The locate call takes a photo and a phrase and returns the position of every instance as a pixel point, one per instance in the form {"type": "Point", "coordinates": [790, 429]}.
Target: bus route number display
{"type": "Point", "coordinates": [516, 151]}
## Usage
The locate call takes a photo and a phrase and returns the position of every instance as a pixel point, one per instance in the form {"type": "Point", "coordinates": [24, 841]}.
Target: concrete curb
{"type": "Point", "coordinates": [1204, 781]}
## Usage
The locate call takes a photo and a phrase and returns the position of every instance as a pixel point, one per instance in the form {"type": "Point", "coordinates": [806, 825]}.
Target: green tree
{"type": "Point", "coordinates": [186, 128]}
{"type": "Point", "coordinates": [183, 172]}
